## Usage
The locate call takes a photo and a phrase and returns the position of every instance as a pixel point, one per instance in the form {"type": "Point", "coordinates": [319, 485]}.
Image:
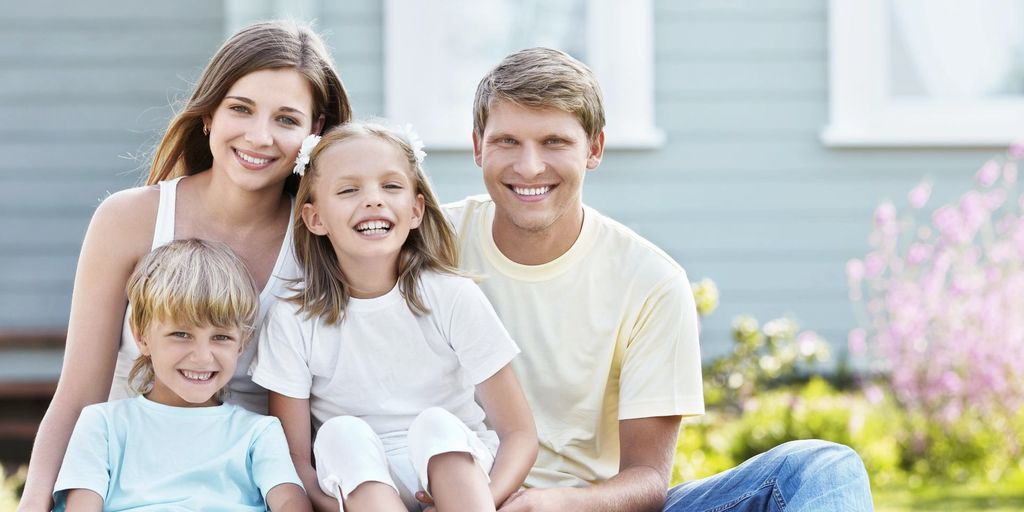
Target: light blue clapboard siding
{"type": "Point", "coordinates": [742, 192]}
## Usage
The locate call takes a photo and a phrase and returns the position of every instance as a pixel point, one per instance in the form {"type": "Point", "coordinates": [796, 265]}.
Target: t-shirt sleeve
{"type": "Point", "coordinates": [271, 464]}
{"type": "Point", "coordinates": [281, 364]}
{"type": "Point", "coordinates": [86, 462]}
{"type": "Point", "coordinates": [661, 373]}
{"type": "Point", "coordinates": [478, 337]}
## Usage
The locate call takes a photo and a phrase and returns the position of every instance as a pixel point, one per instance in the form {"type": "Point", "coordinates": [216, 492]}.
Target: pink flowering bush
{"type": "Point", "coordinates": [943, 297]}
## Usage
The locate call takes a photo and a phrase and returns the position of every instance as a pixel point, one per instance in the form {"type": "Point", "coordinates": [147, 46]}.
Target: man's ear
{"type": "Point", "coordinates": [311, 218]}
{"type": "Point", "coordinates": [596, 152]}
{"type": "Point", "coordinates": [477, 149]}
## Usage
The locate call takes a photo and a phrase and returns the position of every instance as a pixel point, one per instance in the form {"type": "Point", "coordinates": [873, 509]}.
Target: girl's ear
{"type": "Point", "coordinates": [417, 212]}
{"type": "Point", "coordinates": [311, 218]}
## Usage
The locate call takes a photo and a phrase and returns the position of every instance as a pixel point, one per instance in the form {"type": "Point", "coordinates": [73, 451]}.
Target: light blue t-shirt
{"type": "Point", "coordinates": [142, 455]}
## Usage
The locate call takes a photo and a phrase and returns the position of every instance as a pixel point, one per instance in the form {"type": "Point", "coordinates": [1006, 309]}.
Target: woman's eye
{"type": "Point", "coordinates": [288, 121]}
{"type": "Point", "coordinates": [239, 108]}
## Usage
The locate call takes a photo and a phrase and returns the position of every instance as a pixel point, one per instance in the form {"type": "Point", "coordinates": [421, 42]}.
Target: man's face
{"type": "Point", "coordinates": [534, 160]}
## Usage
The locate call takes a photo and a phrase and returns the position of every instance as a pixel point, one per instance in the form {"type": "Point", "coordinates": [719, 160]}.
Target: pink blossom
{"type": "Point", "coordinates": [885, 218]}
{"type": "Point", "coordinates": [919, 195]}
{"type": "Point", "coordinates": [874, 265]}
{"type": "Point", "coordinates": [988, 174]}
{"type": "Point", "coordinates": [949, 222]}
{"type": "Point", "coordinates": [1010, 173]}
{"type": "Point", "coordinates": [854, 271]}
{"type": "Point", "coordinates": [1016, 149]}
{"type": "Point", "coordinates": [919, 253]}
{"type": "Point", "coordinates": [856, 341]}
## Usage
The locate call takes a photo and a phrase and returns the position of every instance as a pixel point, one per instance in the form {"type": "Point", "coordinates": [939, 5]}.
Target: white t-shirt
{"type": "Point", "coordinates": [608, 332]}
{"type": "Point", "coordinates": [382, 362]}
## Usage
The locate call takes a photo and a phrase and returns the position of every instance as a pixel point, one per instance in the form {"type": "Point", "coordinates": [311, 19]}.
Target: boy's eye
{"type": "Point", "coordinates": [222, 337]}
{"type": "Point", "coordinates": [180, 334]}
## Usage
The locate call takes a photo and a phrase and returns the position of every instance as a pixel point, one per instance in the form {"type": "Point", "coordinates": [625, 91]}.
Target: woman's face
{"type": "Point", "coordinates": [256, 131]}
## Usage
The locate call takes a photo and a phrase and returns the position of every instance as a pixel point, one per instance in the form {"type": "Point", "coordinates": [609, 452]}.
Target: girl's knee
{"type": "Point", "coordinates": [344, 432]}
{"type": "Point", "coordinates": [434, 423]}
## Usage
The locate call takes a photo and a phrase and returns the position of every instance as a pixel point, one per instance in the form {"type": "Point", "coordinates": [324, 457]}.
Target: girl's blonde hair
{"type": "Point", "coordinates": [324, 292]}
{"type": "Point", "coordinates": [189, 282]}
{"type": "Point", "coordinates": [185, 149]}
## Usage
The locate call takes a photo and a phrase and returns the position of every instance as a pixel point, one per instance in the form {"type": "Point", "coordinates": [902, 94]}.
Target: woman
{"type": "Point", "coordinates": [229, 156]}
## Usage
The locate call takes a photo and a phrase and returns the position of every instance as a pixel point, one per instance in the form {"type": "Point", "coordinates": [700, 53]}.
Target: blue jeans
{"type": "Point", "coordinates": [796, 476]}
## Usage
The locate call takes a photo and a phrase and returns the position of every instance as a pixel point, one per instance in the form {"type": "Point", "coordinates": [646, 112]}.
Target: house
{"type": "Point", "coordinates": [741, 188]}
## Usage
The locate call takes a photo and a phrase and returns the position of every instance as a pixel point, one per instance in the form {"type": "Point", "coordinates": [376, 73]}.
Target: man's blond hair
{"type": "Point", "coordinates": [542, 78]}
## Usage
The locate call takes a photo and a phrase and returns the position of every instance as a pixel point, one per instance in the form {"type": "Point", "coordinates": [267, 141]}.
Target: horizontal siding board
{"type": "Point", "coordinates": [749, 38]}
{"type": "Point", "coordinates": [685, 75]}
{"type": "Point", "coordinates": [87, 44]}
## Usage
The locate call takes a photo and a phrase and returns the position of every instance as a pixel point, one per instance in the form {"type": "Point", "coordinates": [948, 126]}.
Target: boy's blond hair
{"type": "Point", "coordinates": [189, 282]}
{"type": "Point", "coordinates": [542, 78]}
{"type": "Point", "coordinates": [324, 291]}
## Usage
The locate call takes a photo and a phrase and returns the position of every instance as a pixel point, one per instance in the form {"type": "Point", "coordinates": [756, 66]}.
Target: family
{"type": "Point", "coordinates": [285, 317]}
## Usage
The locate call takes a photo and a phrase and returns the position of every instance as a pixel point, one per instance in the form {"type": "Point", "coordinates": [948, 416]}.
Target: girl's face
{"type": "Point", "coordinates": [365, 201]}
{"type": "Point", "coordinates": [191, 364]}
{"type": "Point", "coordinates": [256, 131]}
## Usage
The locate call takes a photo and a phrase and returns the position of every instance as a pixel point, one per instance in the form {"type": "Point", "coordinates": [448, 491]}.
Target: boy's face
{"type": "Point", "coordinates": [533, 161]}
{"type": "Point", "coordinates": [191, 364]}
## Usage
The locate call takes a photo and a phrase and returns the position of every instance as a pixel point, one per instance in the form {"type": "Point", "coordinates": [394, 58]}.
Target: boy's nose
{"type": "Point", "coordinates": [202, 353]}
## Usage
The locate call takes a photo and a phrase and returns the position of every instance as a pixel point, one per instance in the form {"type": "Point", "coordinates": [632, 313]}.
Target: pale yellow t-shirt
{"type": "Point", "coordinates": [608, 332]}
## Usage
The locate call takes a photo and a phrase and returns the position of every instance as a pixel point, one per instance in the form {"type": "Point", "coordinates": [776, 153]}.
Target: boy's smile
{"type": "Point", "coordinates": [190, 364]}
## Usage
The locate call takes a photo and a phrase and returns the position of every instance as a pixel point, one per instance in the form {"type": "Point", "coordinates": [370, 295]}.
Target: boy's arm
{"type": "Point", "coordinates": [288, 498]}
{"type": "Point", "coordinates": [83, 500]}
{"type": "Point", "coordinates": [294, 416]}
{"type": "Point", "coordinates": [508, 412]}
{"type": "Point", "coordinates": [647, 447]}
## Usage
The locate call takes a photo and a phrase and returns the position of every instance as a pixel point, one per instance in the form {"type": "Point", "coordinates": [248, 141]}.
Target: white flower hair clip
{"type": "Point", "coordinates": [414, 141]}
{"type": "Point", "coordinates": [305, 149]}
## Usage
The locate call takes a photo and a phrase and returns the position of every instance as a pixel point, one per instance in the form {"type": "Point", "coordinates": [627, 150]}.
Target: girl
{"type": "Point", "coordinates": [386, 345]}
{"type": "Point", "coordinates": [228, 155]}
{"type": "Point", "coordinates": [178, 446]}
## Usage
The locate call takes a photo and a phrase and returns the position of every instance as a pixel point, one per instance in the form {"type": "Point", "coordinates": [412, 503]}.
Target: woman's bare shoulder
{"type": "Point", "coordinates": [128, 217]}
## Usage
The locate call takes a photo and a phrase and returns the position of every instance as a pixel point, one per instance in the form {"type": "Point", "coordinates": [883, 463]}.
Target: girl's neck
{"type": "Point", "coordinates": [372, 278]}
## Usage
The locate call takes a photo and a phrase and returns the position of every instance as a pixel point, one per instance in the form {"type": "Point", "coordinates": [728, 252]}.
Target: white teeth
{"type": "Point", "coordinates": [531, 191]}
{"type": "Point", "coordinates": [373, 227]}
{"type": "Point", "coordinates": [197, 375]}
{"type": "Point", "coordinates": [252, 160]}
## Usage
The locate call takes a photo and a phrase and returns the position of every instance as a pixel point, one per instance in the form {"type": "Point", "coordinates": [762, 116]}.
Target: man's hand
{"type": "Point", "coordinates": [538, 500]}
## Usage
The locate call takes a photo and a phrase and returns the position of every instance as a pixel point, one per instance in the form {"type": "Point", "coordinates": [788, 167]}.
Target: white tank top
{"type": "Point", "coordinates": [242, 390]}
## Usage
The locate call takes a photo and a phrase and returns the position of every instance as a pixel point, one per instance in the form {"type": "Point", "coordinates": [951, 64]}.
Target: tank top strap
{"type": "Point", "coordinates": [163, 231]}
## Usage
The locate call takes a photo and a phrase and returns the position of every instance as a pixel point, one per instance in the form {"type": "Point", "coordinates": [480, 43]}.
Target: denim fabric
{"type": "Point", "coordinates": [804, 476]}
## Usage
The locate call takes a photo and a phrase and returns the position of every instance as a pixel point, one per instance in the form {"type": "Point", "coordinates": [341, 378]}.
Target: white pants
{"type": "Point", "coordinates": [348, 453]}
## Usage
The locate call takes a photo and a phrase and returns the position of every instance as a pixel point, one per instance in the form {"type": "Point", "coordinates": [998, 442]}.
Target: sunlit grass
{"type": "Point", "coordinates": [1004, 496]}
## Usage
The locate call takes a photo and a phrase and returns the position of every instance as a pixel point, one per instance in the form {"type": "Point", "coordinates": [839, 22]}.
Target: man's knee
{"type": "Point", "coordinates": [814, 455]}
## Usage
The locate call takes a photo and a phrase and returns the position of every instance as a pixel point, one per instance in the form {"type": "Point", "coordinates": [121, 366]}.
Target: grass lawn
{"type": "Point", "coordinates": [1004, 496]}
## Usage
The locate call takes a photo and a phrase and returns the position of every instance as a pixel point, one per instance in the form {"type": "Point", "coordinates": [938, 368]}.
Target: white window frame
{"type": "Point", "coordinates": [620, 49]}
{"type": "Point", "coordinates": [863, 114]}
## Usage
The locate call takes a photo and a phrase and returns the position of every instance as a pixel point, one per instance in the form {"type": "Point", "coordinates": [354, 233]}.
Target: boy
{"type": "Point", "coordinates": [176, 446]}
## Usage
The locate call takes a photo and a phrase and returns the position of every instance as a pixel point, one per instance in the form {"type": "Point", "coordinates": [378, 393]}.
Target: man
{"type": "Point", "coordinates": [606, 321]}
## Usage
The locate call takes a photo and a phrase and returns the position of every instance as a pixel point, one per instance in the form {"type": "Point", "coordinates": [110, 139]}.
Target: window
{"type": "Point", "coordinates": [925, 73]}
{"type": "Point", "coordinates": [437, 51]}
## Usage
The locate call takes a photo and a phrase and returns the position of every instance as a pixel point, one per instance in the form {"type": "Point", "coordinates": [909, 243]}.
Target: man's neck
{"type": "Point", "coordinates": [528, 247]}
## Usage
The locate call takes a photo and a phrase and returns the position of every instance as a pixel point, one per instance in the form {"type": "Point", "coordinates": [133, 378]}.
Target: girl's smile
{"type": "Point", "coordinates": [365, 202]}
